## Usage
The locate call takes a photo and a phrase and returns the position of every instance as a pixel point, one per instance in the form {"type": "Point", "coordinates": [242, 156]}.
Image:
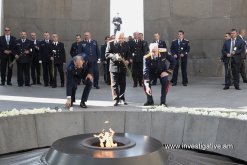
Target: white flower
{"type": "Point", "coordinates": [242, 117]}
{"type": "Point", "coordinates": [71, 109]}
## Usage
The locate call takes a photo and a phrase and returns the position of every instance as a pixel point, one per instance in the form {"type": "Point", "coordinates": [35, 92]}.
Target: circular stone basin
{"type": "Point", "coordinates": [84, 149]}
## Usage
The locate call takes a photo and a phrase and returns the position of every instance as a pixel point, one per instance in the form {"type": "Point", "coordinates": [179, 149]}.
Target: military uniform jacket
{"type": "Point", "coordinates": [74, 49]}
{"type": "Point", "coordinates": [137, 50]}
{"type": "Point", "coordinates": [58, 52]}
{"type": "Point", "coordinates": [102, 51]}
{"type": "Point", "coordinates": [157, 65]}
{"type": "Point", "coordinates": [35, 52]}
{"type": "Point", "coordinates": [45, 51]}
{"type": "Point", "coordinates": [6, 46]}
{"type": "Point", "coordinates": [91, 49]}
{"type": "Point", "coordinates": [161, 44]}
{"type": "Point", "coordinates": [74, 76]}
{"type": "Point", "coordinates": [180, 48]}
{"type": "Point", "coordinates": [20, 48]}
{"type": "Point", "coordinates": [114, 48]}
{"type": "Point", "coordinates": [239, 46]}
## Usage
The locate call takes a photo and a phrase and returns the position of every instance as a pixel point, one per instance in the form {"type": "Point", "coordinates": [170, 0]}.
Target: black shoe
{"type": "Point", "coordinates": [153, 84]}
{"type": "Point", "coordinates": [148, 103]}
{"type": "Point", "coordinates": [237, 88]}
{"type": "Point", "coordinates": [54, 86]}
{"type": "Point", "coordinates": [2, 84]}
{"type": "Point", "coordinates": [33, 84]}
{"type": "Point", "coordinates": [9, 83]}
{"type": "Point", "coordinates": [27, 85]}
{"type": "Point", "coordinates": [124, 102]}
{"type": "Point", "coordinates": [20, 85]}
{"type": "Point", "coordinates": [185, 84]}
{"type": "Point", "coordinates": [83, 105]}
{"type": "Point", "coordinates": [174, 84]}
{"type": "Point", "coordinates": [97, 87]}
{"type": "Point", "coordinates": [116, 103]}
{"type": "Point", "coordinates": [135, 85]}
{"type": "Point", "coordinates": [163, 104]}
{"type": "Point", "coordinates": [245, 81]}
{"type": "Point", "coordinates": [225, 88]}
{"type": "Point", "coordinates": [46, 85]}
{"type": "Point", "coordinates": [140, 84]}
{"type": "Point", "coordinates": [62, 85]}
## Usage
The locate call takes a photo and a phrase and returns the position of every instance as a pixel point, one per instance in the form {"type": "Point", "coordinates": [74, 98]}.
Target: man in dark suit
{"type": "Point", "coordinates": [79, 68]}
{"type": "Point", "coordinates": [58, 60]}
{"type": "Point", "coordinates": [232, 50]}
{"type": "Point", "coordinates": [161, 44]}
{"type": "Point", "coordinates": [106, 62]}
{"type": "Point", "coordinates": [145, 43]}
{"type": "Point", "coordinates": [242, 33]}
{"type": "Point", "coordinates": [117, 21]}
{"type": "Point", "coordinates": [35, 65]}
{"type": "Point", "coordinates": [74, 47]}
{"type": "Point", "coordinates": [180, 49]}
{"type": "Point", "coordinates": [23, 54]}
{"type": "Point", "coordinates": [119, 54]}
{"type": "Point", "coordinates": [137, 51]}
{"type": "Point", "coordinates": [45, 53]}
{"type": "Point", "coordinates": [90, 48]}
{"type": "Point", "coordinates": [7, 43]}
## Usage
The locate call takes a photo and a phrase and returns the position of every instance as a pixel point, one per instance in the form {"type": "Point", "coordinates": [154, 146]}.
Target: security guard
{"type": "Point", "coordinates": [45, 53]}
{"type": "Point", "coordinates": [58, 59]}
{"type": "Point", "coordinates": [79, 68]}
{"type": "Point", "coordinates": [155, 64]}
{"type": "Point", "coordinates": [145, 43]}
{"type": "Point", "coordinates": [106, 62]}
{"type": "Point", "coordinates": [137, 50]}
{"type": "Point", "coordinates": [91, 49]}
{"type": "Point", "coordinates": [119, 54]}
{"type": "Point", "coordinates": [180, 49]}
{"type": "Point", "coordinates": [74, 47]}
{"type": "Point", "coordinates": [23, 55]}
{"type": "Point", "coordinates": [161, 44]}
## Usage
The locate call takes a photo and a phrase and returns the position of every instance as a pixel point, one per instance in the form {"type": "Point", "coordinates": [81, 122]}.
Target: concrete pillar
{"type": "Point", "coordinates": [1, 16]}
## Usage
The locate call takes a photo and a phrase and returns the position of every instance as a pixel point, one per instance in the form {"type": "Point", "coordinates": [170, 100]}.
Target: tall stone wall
{"type": "Point", "coordinates": [204, 22]}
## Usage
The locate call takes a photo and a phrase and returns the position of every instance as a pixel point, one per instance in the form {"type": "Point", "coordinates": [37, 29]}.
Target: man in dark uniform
{"type": "Point", "coordinates": [232, 49]}
{"type": "Point", "coordinates": [155, 64]}
{"type": "Point", "coordinates": [7, 43]}
{"type": "Point", "coordinates": [145, 43]}
{"type": "Point", "coordinates": [117, 21]}
{"type": "Point", "coordinates": [106, 62]}
{"type": "Point", "coordinates": [137, 50]}
{"type": "Point", "coordinates": [35, 65]}
{"type": "Point", "coordinates": [45, 53]}
{"type": "Point", "coordinates": [23, 55]}
{"type": "Point", "coordinates": [79, 68]}
{"type": "Point", "coordinates": [74, 47]}
{"type": "Point", "coordinates": [90, 48]}
{"type": "Point", "coordinates": [180, 49]}
{"type": "Point", "coordinates": [242, 33]}
{"type": "Point", "coordinates": [161, 44]}
{"type": "Point", "coordinates": [119, 54]}
{"type": "Point", "coordinates": [58, 60]}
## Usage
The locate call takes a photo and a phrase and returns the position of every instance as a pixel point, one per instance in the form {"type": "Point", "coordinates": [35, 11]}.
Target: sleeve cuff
{"type": "Point", "coordinates": [68, 97]}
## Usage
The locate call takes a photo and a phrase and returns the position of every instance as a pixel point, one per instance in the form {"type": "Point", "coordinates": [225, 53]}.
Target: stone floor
{"type": "Point", "coordinates": [201, 92]}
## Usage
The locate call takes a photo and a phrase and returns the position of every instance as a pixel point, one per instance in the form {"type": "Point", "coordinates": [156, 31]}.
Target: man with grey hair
{"type": "Point", "coordinates": [118, 52]}
{"type": "Point", "coordinates": [79, 68]}
{"type": "Point", "coordinates": [242, 33]}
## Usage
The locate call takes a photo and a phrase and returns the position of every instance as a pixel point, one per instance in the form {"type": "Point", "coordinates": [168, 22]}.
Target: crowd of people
{"type": "Point", "coordinates": [144, 62]}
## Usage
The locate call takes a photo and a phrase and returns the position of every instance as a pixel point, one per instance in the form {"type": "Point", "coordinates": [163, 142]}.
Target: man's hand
{"type": "Point", "coordinates": [228, 55]}
{"type": "Point", "coordinates": [164, 74]}
{"type": "Point", "coordinates": [181, 55]}
{"type": "Point", "coordinates": [175, 56]}
{"type": "Point", "coordinates": [118, 57]}
{"type": "Point", "coordinates": [52, 58]}
{"type": "Point", "coordinates": [149, 91]}
{"type": "Point", "coordinates": [40, 61]}
{"type": "Point", "coordinates": [7, 51]}
{"type": "Point", "coordinates": [233, 52]}
{"type": "Point", "coordinates": [126, 62]}
{"type": "Point", "coordinates": [89, 77]}
{"type": "Point", "coordinates": [26, 51]}
{"type": "Point", "coordinates": [131, 61]}
{"type": "Point", "coordinates": [68, 103]}
{"type": "Point", "coordinates": [16, 56]}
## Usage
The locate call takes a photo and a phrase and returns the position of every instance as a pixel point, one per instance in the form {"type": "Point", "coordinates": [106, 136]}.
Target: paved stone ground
{"type": "Point", "coordinates": [201, 92]}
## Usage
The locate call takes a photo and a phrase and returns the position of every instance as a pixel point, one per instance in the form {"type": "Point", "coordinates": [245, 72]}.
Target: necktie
{"type": "Point", "coordinates": [179, 41]}
{"type": "Point", "coordinates": [233, 45]}
{"type": "Point", "coordinates": [7, 39]}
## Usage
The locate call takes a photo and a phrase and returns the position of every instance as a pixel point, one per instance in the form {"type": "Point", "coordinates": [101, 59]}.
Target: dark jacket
{"type": "Point", "coordinates": [155, 66]}
{"type": "Point", "coordinates": [20, 48]}
{"type": "Point", "coordinates": [45, 51]}
{"type": "Point", "coordinates": [35, 52]}
{"type": "Point", "coordinates": [243, 55]}
{"type": "Point", "coordinates": [114, 48]}
{"type": "Point", "coordinates": [75, 75]}
{"type": "Point", "coordinates": [182, 48]}
{"type": "Point", "coordinates": [137, 50]}
{"type": "Point", "coordinates": [4, 46]}
{"type": "Point", "coordinates": [240, 48]}
{"type": "Point", "coordinates": [90, 49]}
{"type": "Point", "coordinates": [74, 49]}
{"type": "Point", "coordinates": [58, 52]}
{"type": "Point", "coordinates": [102, 52]}
{"type": "Point", "coordinates": [161, 44]}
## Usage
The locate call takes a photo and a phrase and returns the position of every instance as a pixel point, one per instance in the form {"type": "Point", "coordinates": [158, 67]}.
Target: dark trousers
{"type": "Point", "coordinates": [183, 69]}
{"type": "Point", "coordinates": [118, 85]}
{"type": "Point", "coordinates": [242, 70]}
{"type": "Point", "coordinates": [235, 67]}
{"type": "Point", "coordinates": [5, 68]}
{"type": "Point", "coordinates": [137, 72]}
{"type": "Point", "coordinates": [228, 73]}
{"type": "Point", "coordinates": [23, 69]}
{"type": "Point", "coordinates": [106, 73]}
{"type": "Point", "coordinates": [59, 68]}
{"type": "Point", "coordinates": [95, 73]}
{"type": "Point", "coordinates": [86, 91]}
{"type": "Point", "coordinates": [47, 75]}
{"type": "Point", "coordinates": [35, 72]}
{"type": "Point", "coordinates": [164, 90]}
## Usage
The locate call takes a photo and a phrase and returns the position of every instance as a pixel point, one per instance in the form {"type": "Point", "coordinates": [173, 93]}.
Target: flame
{"type": "Point", "coordinates": [106, 139]}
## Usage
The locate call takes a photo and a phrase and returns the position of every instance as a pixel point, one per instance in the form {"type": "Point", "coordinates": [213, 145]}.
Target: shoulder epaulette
{"type": "Point", "coordinates": [148, 55]}
{"type": "Point", "coordinates": [186, 40]}
{"type": "Point", "coordinates": [174, 40]}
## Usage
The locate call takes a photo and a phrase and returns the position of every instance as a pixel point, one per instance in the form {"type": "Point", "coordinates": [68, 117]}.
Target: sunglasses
{"type": "Point", "coordinates": [6, 30]}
